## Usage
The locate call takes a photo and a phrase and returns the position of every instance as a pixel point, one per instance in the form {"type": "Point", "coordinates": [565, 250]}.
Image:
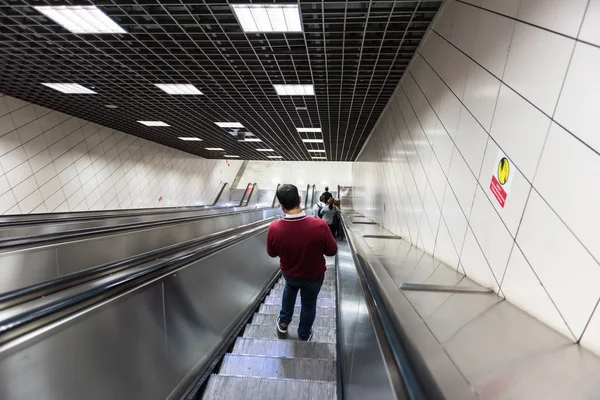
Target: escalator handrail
{"type": "Point", "coordinates": [253, 194]}
{"type": "Point", "coordinates": [275, 197]}
{"type": "Point", "coordinates": [241, 204]}
{"type": "Point", "coordinates": [36, 240]}
{"type": "Point", "coordinates": [23, 322]}
{"type": "Point", "coordinates": [219, 193]}
{"type": "Point", "coordinates": [21, 295]}
{"type": "Point", "coordinates": [415, 378]}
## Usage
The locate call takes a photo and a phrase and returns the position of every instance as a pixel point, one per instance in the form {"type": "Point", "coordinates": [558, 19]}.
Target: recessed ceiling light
{"type": "Point", "coordinates": [295, 90]}
{"type": "Point", "coordinates": [301, 108]}
{"type": "Point", "coordinates": [81, 19]}
{"type": "Point", "coordinates": [214, 149]}
{"type": "Point", "coordinates": [230, 156]}
{"type": "Point", "coordinates": [252, 140]}
{"type": "Point", "coordinates": [176, 88]}
{"type": "Point", "coordinates": [69, 88]}
{"type": "Point", "coordinates": [154, 123]}
{"type": "Point", "coordinates": [268, 17]}
{"type": "Point", "coordinates": [307, 130]}
{"type": "Point", "coordinates": [111, 106]}
{"type": "Point", "coordinates": [265, 150]}
{"type": "Point", "coordinates": [312, 140]}
{"type": "Point", "coordinates": [275, 157]}
{"type": "Point", "coordinates": [229, 124]}
{"type": "Point", "coordinates": [319, 158]}
{"type": "Point", "coordinates": [316, 151]}
{"type": "Point", "coordinates": [191, 139]}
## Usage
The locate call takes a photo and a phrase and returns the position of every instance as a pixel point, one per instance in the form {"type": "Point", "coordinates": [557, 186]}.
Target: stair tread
{"type": "Point", "coordinates": [271, 319]}
{"type": "Point", "coordinates": [324, 289]}
{"type": "Point", "coordinates": [270, 332]}
{"type": "Point", "coordinates": [278, 367]}
{"type": "Point", "coordinates": [322, 295]}
{"type": "Point", "coordinates": [222, 387]}
{"type": "Point", "coordinates": [320, 302]}
{"type": "Point", "coordinates": [284, 348]}
{"type": "Point", "coordinates": [275, 308]}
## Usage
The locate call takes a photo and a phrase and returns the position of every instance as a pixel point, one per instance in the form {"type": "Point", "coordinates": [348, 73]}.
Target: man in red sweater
{"type": "Point", "coordinates": [300, 242]}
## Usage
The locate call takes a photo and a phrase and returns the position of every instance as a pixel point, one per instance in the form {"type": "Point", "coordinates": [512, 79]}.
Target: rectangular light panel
{"type": "Point", "coordinates": [81, 19]}
{"type": "Point", "coordinates": [69, 88]}
{"type": "Point", "coordinates": [252, 140]}
{"type": "Point", "coordinates": [319, 158]}
{"type": "Point", "coordinates": [316, 151]}
{"type": "Point", "coordinates": [295, 90]}
{"type": "Point", "coordinates": [308, 130]}
{"type": "Point", "coordinates": [154, 123]}
{"type": "Point", "coordinates": [312, 140]}
{"type": "Point", "coordinates": [214, 149]}
{"type": "Point", "coordinates": [275, 157]}
{"type": "Point", "coordinates": [191, 139]}
{"type": "Point", "coordinates": [230, 156]}
{"type": "Point", "coordinates": [265, 150]}
{"type": "Point", "coordinates": [268, 17]}
{"type": "Point", "coordinates": [175, 88]}
{"type": "Point", "coordinates": [229, 125]}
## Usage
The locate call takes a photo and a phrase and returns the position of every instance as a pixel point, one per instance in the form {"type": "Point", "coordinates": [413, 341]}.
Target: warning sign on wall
{"type": "Point", "coordinates": [501, 178]}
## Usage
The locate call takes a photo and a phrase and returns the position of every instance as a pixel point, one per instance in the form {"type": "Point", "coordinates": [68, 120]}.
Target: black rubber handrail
{"type": "Point", "coordinates": [17, 242]}
{"type": "Point", "coordinates": [21, 295]}
{"type": "Point", "coordinates": [273, 204]}
{"type": "Point", "coordinates": [38, 315]}
{"type": "Point", "coordinates": [415, 377]}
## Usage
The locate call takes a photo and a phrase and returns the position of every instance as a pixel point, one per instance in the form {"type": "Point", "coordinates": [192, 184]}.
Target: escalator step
{"type": "Point", "coordinates": [222, 387]}
{"type": "Point", "coordinates": [326, 283]}
{"type": "Point", "coordinates": [278, 367]}
{"type": "Point", "coordinates": [270, 332]}
{"type": "Point", "coordinates": [271, 319]}
{"type": "Point", "coordinates": [322, 295]}
{"type": "Point", "coordinates": [284, 348]}
{"type": "Point", "coordinates": [328, 289]}
{"type": "Point", "coordinates": [320, 302]}
{"type": "Point", "coordinates": [275, 308]}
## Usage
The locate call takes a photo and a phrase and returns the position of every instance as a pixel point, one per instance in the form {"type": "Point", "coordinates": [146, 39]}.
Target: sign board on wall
{"type": "Point", "coordinates": [501, 178]}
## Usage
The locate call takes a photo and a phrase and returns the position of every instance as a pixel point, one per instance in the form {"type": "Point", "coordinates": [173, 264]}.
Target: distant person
{"type": "Point", "coordinates": [318, 208]}
{"type": "Point", "coordinates": [331, 215]}
{"type": "Point", "coordinates": [300, 242]}
{"type": "Point", "coordinates": [327, 194]}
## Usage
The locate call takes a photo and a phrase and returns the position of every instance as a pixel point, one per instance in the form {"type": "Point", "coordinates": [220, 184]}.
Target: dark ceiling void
{"type": "Point", "coordinates": [353, 52]}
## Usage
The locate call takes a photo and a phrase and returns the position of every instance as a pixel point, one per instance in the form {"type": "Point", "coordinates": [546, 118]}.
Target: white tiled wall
{"type": "Point", "coordinates": [267, 174]}
{"type": "Point", "coordinates": [51, 162]}
{"type": "Point", "coordinates": [518, 77]}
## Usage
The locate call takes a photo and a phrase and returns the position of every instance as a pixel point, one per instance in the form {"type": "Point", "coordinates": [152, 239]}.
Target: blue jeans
{"type": "Point", "coordinates": [309, 290]}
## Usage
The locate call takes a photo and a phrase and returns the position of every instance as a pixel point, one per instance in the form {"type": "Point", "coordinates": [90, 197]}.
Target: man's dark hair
{"type": "Point", "coordinates": [327, 188]}
{"type": "Point", "coordinates": [322, 198]}
{"type": "Point", "coordinates": [288, 196]}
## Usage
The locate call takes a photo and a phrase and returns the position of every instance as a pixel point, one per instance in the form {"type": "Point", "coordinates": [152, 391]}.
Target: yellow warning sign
{"type": "Point", "coordinates": [503, 170]}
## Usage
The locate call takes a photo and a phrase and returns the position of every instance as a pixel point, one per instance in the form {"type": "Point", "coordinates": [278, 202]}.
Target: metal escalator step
{"type": "Point", "coordinates": [271, 319]}
{"type": "Point", "coordinates": [270, 332]}
{"type": "Point", "coordinates": [223, 387]}
{"type": "Point", "coordinates": [322, 295]}
{"type": "Point", "coordinates": [275, 308]}
{"type": "Point", "coordinates": [278, 367]}
{"type": "Point", "coordinates": [320, 302]}
{"type": "Point", "coordinates": [328, 289]}
{"type": "Point", "coordinates": [284, 348]}
{"type": "Point", "coordinates": [326, 282]}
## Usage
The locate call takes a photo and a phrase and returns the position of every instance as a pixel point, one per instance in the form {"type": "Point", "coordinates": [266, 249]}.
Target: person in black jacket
{"type": "Point", "coordinates": [327, 194]}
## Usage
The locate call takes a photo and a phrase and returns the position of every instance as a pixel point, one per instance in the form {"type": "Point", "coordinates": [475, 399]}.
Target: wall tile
{"type": "Point", "coordinates": [12, 159]}
{"type": "Point", "coordinates": [475, 265]}
{"type": "Point", "coordinates": [481, 93]}
{"type": "Point", "coordinates": [40, 160]}
{"type": "Point", "coordinates": [4, 185]}
{"type": "Point", "coordinates": [577, 108]}
{"type": "Point", "coordinates": [506, 7]}
{"type": "Point", "coordinates": [590, 29]}
{"type": "Point", "coordinates": [19, 174]}
{"type": "Point", "coordinates": [464, 27]}
{"type": "Point", "coordinates": [49, 188]}
{"type": "Point", "coordinates": [471, 140]}
{"type": "Point", "coordinates": [7, 201]}
{"type": "Point", "coordinates": [29, 131]}
{"type": "Point", "coordinates": [568, 272]}
{"type": "Point", "coordinates": [10, 142]}
{"type": "Point", "coordinates": [558, 16]}
{"type": "Point", "coordinates": [445, 19]}
{"type": "Point", "coordinates": [492, 41]}
{"type": "Point", "coordinates": [568, 179]}
{"type": "Point", "coordinates": [463, 182]}
{"type": "Point", "coordinates": [449, 111]}
{"type": "Point", "coordinates": [31, 202]}
{"type": "Point", "coordinates": [537, 64]}
{"type": "Point", "coordinates": [455, 219]}
{"type": "Point", "coordinates": [454, 73]}
{"type": "Point", "coordinates": [444, 247]}
{"type": "Point", "coordinates": [591, 337]}
{"type": "Point", "coordinates": [23, 115]}
{"type": "Point", "coordinates": [34, 146]}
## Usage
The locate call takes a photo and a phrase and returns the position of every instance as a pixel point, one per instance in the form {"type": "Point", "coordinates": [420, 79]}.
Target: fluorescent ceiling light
{"type": "Point", "coordinates": [81, 19]}
{"type": "Point", "coordinates": [111, 106]}
{"type": "Point", "coordinates": [301, 108]}
{"type": "Point", "coordinates": [190, 139]}
{"type": "Point", "coordinates": [229, 124]}
{"type": "Point", "coordinates": [268, 17]}
{"type": "Point", "coordinates": [252, 140]}
{"type": "Point", "coordinates": [69, 88]}
{"type": "Point", "coordinates": [175, 88]}
{"type": "Point", "coordinates": [319, 158]}
{"type": "Point", "coordinates": [312, 140]}
{"type": "Point", "coordinates": [316, 151]}
{"type": "Point", "coordinates": [265, 150]}
{"type": "Point", "coordinates": [214, 149]}
{"type": "Point", "coordinates": [307, 130]}
{"type": "Point", "coordinates": [154, 123]}
{"type": "Point", "coordinates": [275, 157]}
{"type": "Point", "coordinates": [231, 156]}
{"type": "Point", "coordinates": [295, 90]}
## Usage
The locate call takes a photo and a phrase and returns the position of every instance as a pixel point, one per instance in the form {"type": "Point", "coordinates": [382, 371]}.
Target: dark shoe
{"type": "Point", "coordinates": [308, 338]}
{"type": "Point", "coordinates": [281, 327]}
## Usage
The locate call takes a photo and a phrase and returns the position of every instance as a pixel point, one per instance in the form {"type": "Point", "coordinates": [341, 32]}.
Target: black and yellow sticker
{"type": "Point", "coordinates": [503, 170]}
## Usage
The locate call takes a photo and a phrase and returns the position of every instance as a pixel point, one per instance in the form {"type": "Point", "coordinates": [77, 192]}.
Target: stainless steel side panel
{"type": "Point", "coordinates": [144, 344]}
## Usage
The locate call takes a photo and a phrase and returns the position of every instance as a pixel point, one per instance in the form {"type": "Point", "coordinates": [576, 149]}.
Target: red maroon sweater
{"type": "Point", "coordinates": [300, 242]}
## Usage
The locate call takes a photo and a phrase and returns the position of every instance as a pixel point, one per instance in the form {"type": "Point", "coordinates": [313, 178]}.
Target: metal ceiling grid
{"type": "Point", "coordinates": [354, 52]}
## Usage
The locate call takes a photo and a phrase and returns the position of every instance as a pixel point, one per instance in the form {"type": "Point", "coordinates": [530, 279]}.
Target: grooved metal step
{"type": "Point", "coordinates": [243, 388]}
{"type": "Point", "coordinates": [270, 332]}
{"type": "Point", "coordinates": [275, 308]}
{"type": "Point", "coordinates": [320, 302]}
{"type": "Point", "coordinates": [284, 348]}
{"type": "Point", "coordinates": [326, 282]}
{"type": "Point", "coordinates": [328, 289]}
{"type": "Point", "coordinates": [271, 320]}
{"type": "Point", "coordinates": [278, 367]}
{"type": "Point", "coordinates": [322, 295]}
